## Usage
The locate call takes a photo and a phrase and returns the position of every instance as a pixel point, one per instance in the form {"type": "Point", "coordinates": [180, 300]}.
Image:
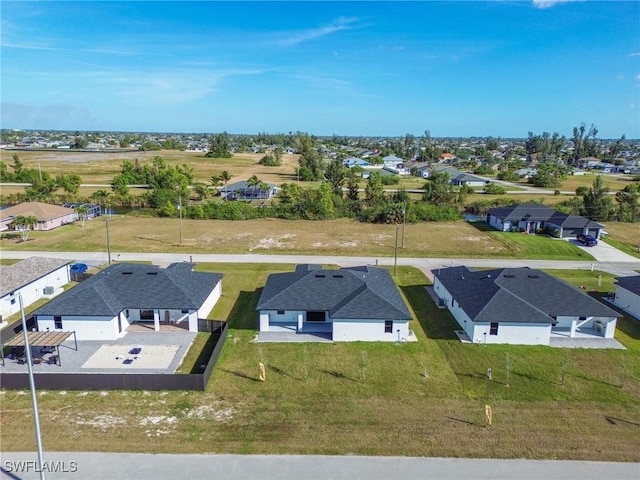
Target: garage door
{"type": "Point", "coordinates": [571, 232]}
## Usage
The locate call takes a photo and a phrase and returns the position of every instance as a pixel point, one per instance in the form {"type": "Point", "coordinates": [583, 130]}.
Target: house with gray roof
{"type": "Point", "coordinates": [33, 278]}
{"type": "Point", "coordinates": [105, 305]}
{"type": "Point", "coordinates": [520, 306]}
{"type": "Point", "coordinates": [349, 304]}
{"type": "Point", "coordinates": [627, 296]}
{"type": "Point", "coordinates": [531, 217]}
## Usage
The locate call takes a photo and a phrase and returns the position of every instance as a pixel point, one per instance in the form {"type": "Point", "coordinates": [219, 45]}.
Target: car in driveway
{"type": "Point", "coordinates": [587, 240]}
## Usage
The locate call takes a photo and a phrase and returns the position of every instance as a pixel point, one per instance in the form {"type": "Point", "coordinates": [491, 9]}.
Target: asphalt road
{"type": "Point", "coordinates": [124, 466]}
{"type": "Point", "coordinates": [620, 268]}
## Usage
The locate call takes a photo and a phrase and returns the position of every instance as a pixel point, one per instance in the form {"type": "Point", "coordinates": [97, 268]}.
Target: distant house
{"type": "Point", "coordinates": [392, 161]}
{"type": "Point", "coordinates": [456, 177]}
{"type": "Point", "coordinates": [519, 306]}
{"type": "Point", "coordinates": [93, 210]}
{"type": "Point", "coordinates": [48, 216]}
{"type": "Point", "coordinates": [627, 296]}
{"type": "Point", "coordinates": [105, 305]}
{"type": "Point", "coordinates": [349, 304]}
{"type": "Point", "coordinates": [243, 191]}
{"type": "Point", "coordinates": [33, 278]}
{"type": "Point", "coordinates": [447, 157]}
{"type": "Point", "coordinates": [532, 217]}
{"type": "Point", "coordinates": [351, 162]}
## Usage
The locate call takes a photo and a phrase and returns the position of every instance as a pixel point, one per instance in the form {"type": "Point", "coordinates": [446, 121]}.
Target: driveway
{"type": "Point", "coordinates": [603, 252]}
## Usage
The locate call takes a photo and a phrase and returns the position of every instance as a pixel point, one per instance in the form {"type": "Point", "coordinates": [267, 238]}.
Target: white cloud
{"type": "Point", "coordinates": [301, 36]}
{"type": "Point", "coordinates": [551, 3]}
{"type": "Point", "coordinates": [634, 54]}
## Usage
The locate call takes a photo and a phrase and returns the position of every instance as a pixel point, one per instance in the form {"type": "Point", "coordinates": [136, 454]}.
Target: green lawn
{"type": "Point", "coordinates": [365, 398]}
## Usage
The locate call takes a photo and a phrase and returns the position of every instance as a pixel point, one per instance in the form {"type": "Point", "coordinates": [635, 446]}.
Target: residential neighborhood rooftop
{"type": "Point", "coordinates": [12, 277]}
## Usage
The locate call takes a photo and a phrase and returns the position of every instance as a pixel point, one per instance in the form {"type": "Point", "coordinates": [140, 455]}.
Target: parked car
{"type": "Point", "coordinates": [587, 240]}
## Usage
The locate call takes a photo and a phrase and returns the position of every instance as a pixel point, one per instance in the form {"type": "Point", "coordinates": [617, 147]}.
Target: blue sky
{"type": "Point", "coordinates": [500, 68]}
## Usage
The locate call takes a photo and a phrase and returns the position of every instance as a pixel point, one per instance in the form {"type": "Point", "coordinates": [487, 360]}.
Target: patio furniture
{"type": "Point", "coordinates": [53, 360]}
{"type": "Point", "coordinates": [135, 350]}
{"type": "Point", "coordinates": [128, 361]}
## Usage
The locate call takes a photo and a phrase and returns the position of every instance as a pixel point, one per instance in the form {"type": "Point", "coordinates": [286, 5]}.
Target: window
{"type": "Point", "coordinates": [146, 314]}
{"type": "Point", "coordinates": [388, 326]}
{"type": "Point", "coordinates": [185, 311]}
{"type": "Point", "coordinates": [452, 301]}
{"type": "Point", "coordinates": [582, 318]}
{"type": "Point", "coordinates": [57, 323]}
{"type": "Point", "coordinates": [280, 312]}
{"type": "Point", "coordinates": [494, 329]}
{"type": "Point", "coordinates": [13, 301]}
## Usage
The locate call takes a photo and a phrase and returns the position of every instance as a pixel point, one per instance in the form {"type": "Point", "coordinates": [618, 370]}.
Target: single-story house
{"type": "Point", "coordinates": [243, 191]}
{"type": "Point", "coordinates": [456, 177]}
{"type": "Point", "coordinates": [93, 210]}
{"type": "Point", "coordinates": [105, 305]}
{"type": "Point", "coordinates": [627, 296]}
{"type": "Point", "coordinates": [519, 306]}
{"type": "Point", "coordinates": [351, 162]}
{"type": "Point", "coordinates": [48, 216]}
{"type": "Point", "coordinates": [349, 304]}
{"type": "Point", "coordinates": [531, 217]}
{"type": "Point", "coordinates": [392, 161]}
{"type": "Point", "coordinates": [33, 278]}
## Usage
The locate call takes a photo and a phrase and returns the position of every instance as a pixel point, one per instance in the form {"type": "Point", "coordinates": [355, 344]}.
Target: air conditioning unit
{"type": "Point", "coordinates": [47, 290]}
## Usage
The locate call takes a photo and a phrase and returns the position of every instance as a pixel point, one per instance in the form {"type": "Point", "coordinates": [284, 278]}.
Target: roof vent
{"type": "Point", "coordinates": [127, 273]}
{"type": "Point", "coordinates": [338, 276]}
{"type": "Point", "coordinates": [320, 275]}
{"type": "Point", "coordinates": [152, 273]}
{"type": "Point", "coordinates": [509, 276]}
{"type": "Point", "coordinates": [533, 276]}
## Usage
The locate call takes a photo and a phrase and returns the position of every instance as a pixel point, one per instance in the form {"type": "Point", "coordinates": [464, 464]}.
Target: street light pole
{"type": "Point", "coordinates": [32, 384]}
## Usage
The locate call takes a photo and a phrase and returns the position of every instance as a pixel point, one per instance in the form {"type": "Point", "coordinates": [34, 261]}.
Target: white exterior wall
{"type": "Point", "coordinates": [495, 222]}
{"type": "Point", "coordinates": [86, 327]}
{"type": "Point", "coordinates": [33, 292]}
{"type": "Point", "coordinates": [513, 333]}
{"type": "Point", "coordinates": [628, 301]}
{"type": "Point", "coordinates": [289, 316]}
{"type": "Point", "coordinates": [208, 304]}
{"type": "Point", "coordinates": [368, 330]}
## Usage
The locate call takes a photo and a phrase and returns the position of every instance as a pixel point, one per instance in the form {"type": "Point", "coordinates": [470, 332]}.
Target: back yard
{"type": "Point", "coordinates": [426, 398]}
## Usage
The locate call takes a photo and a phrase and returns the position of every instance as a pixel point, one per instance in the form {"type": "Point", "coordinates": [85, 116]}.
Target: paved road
{"type": "Point", "coordinates": [297, 467]}
{"type": "Point", "coordinates": [622, 268]}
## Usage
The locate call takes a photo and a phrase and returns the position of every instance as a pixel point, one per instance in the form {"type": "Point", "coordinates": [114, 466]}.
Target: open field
{"type": "Point", "coordinates": [615, 182]}
{"type": "Point", "coordinates": [362, 398]}
{"type": "Point", "coordinates": [335, 237]}
{"type": "Point", "coordinates": [624, 236]}
{"type": "Point", "coordinates": [101, 167]}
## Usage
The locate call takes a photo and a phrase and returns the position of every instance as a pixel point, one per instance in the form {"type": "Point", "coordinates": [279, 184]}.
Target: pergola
{"type": "Point", "coordinates": [41, 339]}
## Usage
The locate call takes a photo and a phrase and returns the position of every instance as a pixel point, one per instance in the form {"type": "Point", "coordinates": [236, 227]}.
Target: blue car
{"type": "Point", "coordinates": [588, 240]}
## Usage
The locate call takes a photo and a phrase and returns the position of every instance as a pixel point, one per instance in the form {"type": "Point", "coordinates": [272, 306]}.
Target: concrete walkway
{"type": "Point", "coordinates": [603, 252]}
{"type": "Point", "coordinates": [125, 466]}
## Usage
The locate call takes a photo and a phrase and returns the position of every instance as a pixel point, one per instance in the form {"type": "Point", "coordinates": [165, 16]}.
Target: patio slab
{"type": "Point", "coordinates": [292, 337]}
{"type": "Point", "coordinates": [568, 342]}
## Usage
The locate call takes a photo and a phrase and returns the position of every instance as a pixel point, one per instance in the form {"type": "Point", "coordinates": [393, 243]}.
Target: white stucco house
{"type": "Point", "coordinates": [105, 305]}
{"type": "Point", "coordinates": [519, 306]}
{"type": "Point", "coordinates": [627, 296]}
{"type": "Point", "coordinates": [33, 278]}
{"type": "Point", "coordinates": [349, 304]}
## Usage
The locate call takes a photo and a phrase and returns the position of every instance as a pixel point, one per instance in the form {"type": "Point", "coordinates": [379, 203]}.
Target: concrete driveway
{"type": "Point", "coordinates": [603, 252]}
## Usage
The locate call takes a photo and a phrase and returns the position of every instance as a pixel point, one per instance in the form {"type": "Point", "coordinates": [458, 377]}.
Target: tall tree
{"type": "Point", "coordinates": [82, 211]}
{"type": "Point", "coordinates": [374, 191]}
{"type": "Point", "coordinates": [437, 189]}
{"type": "Point", "coordinates": [627, 200]}
{"type": "Point", "coordinates": [225, 176]}
{"type": "Point", "coordinates": [598, 205]}
{"type": "Point", "coordinates": [336, 175]}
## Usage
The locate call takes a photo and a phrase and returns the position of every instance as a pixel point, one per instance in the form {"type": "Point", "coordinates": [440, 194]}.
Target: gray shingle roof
{"type": "Point", "coordinates": [129, 285]}
{"type": "Point", "coordinates": [537, 212]}
{"type": "Point", "coordinates": [13, 277]}
{"type": "Point", "coordinates": [355, 292]}
{"type": "Point", "coordinates": [520, 295]}
{"type": "Point", "coordinates": [630, 283]}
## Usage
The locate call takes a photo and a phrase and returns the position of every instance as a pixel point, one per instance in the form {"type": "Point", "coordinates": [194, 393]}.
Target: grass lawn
{"type": "Point", "coordinates": [362, 398]}
{"type": "Point", "coordinates": [624, 236]}
{"type": "Point", "coordinates": [336, 237]}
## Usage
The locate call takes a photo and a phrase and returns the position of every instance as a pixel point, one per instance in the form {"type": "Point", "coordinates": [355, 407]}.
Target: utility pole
{"type": "Point", "coordinates": [404, 222]}
{"type": "Point", "coordinates": [180, 210]}
{"type": "Point", "coordinates": [395, 254]}
{"type": "Point", "coordinates": [32, 384]}
{"type": "Point", "coordinates": [106, 221]}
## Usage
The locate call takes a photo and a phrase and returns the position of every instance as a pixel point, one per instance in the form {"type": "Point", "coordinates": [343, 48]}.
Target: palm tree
{"type": "Point", "coordinates": [24, 224]}
{"type": "Point", "coordinates": [215, 182]}
{"type": "Point", "coordinates": [201, 189]}
{"type": "Point", "coordinates": [253, 183]}
{"type": "Point", "coordinates": [225, 176]}
{"type": "Point", "coordinates": [82, 211]}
